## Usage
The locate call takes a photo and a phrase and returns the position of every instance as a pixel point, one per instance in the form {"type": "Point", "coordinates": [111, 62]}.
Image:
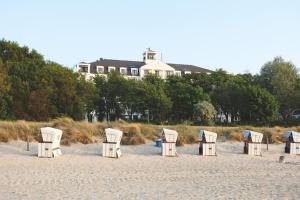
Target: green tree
{"type": "Point", "coordinates": [280, 78]}
{"type": "Point", "coordinates": [66, 97]}
{"type": "Point", "coordinates": [101, 98]}
{"type": "Point", "coordinates": [183, 95]}
{"type": "Point", "coordinates": [258, 105]}
{"type": "Point", "coordinates": [157, 102]}
{"type": "Point", "coordinates": [5, 99]}
{"type": "Point", "coordinates": [204, 112]}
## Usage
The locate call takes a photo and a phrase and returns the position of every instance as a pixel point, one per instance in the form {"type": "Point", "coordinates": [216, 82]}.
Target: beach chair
{"type": "Point", "coordinates": [169, 138]}
{"type": "Point", "coordinates": [292, 142]}
{"type": "Point", "coordinates": [252, 142]}
{"type": "Point", "coordinates": [50, 147]}
{"type": "Point", "coordinates": [208, 143]}
{"type": "Point", "coordinates": [111, 144]}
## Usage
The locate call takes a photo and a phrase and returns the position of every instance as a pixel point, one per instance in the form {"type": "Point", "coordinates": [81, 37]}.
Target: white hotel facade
{"type": "Point", "coordinates": [137, 69]}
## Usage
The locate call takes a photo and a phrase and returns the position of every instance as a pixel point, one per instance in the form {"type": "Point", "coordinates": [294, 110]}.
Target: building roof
{"type": "Point", "coordinates": [117, 63]}
{"type": "Point", "coordinates": [138, 64]}
{"type": "Point", "coordinates": [192, 68]}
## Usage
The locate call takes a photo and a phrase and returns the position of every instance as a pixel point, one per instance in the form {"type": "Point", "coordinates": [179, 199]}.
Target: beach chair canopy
{"type": "Point", "coordinates": [292, 136]}
{"type": "Point", "coordinates": [169, 135]}
{"type": "Point", "coordinates": [208, 136]}
{"type": "Point", "coordinates": [253, 136]}
{"type": "Point", "coordinates": [53, 135]}
{"type": "Point", "coordinates": [113, 135]}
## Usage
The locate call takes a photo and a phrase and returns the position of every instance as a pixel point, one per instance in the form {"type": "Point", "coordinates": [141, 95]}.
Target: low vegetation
{"type": "Point", "coordinates": [134, 133]}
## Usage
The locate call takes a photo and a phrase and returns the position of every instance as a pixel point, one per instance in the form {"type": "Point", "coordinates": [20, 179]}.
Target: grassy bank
{"type": "Point", "coordinates": [134, 133]}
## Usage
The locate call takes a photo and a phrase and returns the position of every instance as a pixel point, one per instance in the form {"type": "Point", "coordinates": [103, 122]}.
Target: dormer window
{"type": "Point", "coordinates": [100, 69]}
{"type": "Point", "coordinates": [146, 71]}
{"type": "Point", "coordinates": [169, 73]}
{"type": "Point", "coordinates": [178, 73]}
{"type": "Point", "coordinates": [111, 68]}
{"type": "Point", "coordinates": [123, 70]}
{"type": "Point", "coordinates": [134, 72]}
{"type": "Point", "coordinates": [83, 68]}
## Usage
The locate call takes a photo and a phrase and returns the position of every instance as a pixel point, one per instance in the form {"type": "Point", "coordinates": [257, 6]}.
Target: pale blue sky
{"type": "Point", "coordinates": [236, 35]}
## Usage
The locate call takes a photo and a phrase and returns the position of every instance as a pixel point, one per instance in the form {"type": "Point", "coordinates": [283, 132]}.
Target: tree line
{"type": "Point", "coordinates": [32, 88]}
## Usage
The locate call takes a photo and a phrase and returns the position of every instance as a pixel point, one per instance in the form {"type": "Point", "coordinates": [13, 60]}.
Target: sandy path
{"type": "Point", "coordinates": [143, 174]}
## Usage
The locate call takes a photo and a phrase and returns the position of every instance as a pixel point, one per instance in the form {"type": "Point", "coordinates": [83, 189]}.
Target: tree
{"type": "Point", "coordinates": [101, 97]}
{"type": "Point", "coordinates": [258, 105]}
{"type": "Point", "coordinates": [202, 80]}
{"type": "Point", "coordinates": [204, 112]}
{"type": "Point", "coordinates": [5, 99]}
{"type": "Point", "coordinates": [87, 91]}
{"type": "Point", "coordinates": [280, 78]}
{"type": "Point", "coordinates": [35, 89]}
{"type": "Point", "coordinates": [66, 92]}
{"type": "Point", "coordinates": [224, 92]}
{"type": "Point", "coordinates": [157, 102]}
{"type": "Point", "coordinates": [183, 95]}
{"type": "Point", "coordinates": [116, 95]}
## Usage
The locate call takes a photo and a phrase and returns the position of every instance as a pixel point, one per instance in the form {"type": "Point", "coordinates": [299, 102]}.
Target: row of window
{"type": "Point", "coordinates": [123, 70]}
{"type": "Point", "coordinates": [134, 71]}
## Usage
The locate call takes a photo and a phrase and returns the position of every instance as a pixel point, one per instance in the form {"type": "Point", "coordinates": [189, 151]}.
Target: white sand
{"type": "Point", "coordinates": [81, 173]}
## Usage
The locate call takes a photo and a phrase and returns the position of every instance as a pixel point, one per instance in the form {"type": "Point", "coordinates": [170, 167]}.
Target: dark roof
{"type": "Point", "coordinates": [138, 64]}
{"type": "Point", "coordinates": [117, 63]}
{"type": "Point", "coordinates": [192, 68]}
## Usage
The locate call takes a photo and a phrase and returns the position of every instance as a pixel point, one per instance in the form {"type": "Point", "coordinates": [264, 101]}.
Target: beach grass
{"type": "Point", "coordinates": [133, 133]}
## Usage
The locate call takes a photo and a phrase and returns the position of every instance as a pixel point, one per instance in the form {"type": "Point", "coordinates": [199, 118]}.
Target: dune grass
{"type": "Point", "coordinates": [133, 133]}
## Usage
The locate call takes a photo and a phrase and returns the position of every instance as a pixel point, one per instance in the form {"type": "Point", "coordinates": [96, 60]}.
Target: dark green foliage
{"type": "Point", "coordinates": [184, 95]}
{"type": "Point", "coordinates": [257, 104]}
{"type": "Point", "coordinates": [33, 89]}
{"type": "Point", "coordinates": [281, 78]}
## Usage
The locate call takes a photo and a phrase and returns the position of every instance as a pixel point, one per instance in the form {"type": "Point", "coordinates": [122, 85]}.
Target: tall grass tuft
{"type": "Point", "coordinates": [134, 133]}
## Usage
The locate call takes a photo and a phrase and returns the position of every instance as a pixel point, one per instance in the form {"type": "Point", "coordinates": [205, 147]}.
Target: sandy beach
{"type": "Point", "coordinates": [141, 173]}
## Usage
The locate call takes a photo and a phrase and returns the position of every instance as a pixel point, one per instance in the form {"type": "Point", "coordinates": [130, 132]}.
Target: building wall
{"type": "Point", "coordinates": [156, 65]}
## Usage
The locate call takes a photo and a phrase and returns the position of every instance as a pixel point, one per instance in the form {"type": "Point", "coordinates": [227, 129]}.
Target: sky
{"type": "Point", "coordinates": [238, 36]}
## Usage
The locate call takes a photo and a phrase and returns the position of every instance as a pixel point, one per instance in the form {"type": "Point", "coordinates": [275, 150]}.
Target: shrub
{"type": "Point", "coordinates": [3, 136]}
{"type": "Point", "coordinates": [131, 134]}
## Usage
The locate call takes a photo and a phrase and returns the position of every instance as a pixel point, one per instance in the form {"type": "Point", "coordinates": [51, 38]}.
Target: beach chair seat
{"type": "Point", "coordinates": [292, 142]}
{"type": "Point", "coordinates": [50, 147]}
{"type": "Point", "coordinates": [252, 143]}
{"type": "Point", "coordinates": [111, 144]}
{"type": "Point", "coordinates": [207, 146]}
{"type": "Point", "coordinates": [169, 138]}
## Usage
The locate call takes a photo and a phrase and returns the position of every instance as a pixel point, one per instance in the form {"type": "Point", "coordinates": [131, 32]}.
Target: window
{"type": "Point", "coordinates": [100, 69]}
{"type": "Point", "coordinates": [157, 72]}
{"type": "Point", "coordinates": [111, 69]}
{"type": "Point", "coordinates": [83, 68]}
{"type": "Point", "coordinates": [146, 72]}
{"type": "Point", "coordinates": [178, 73]}
{"type": "Point", "coordinates": [134, 72]}
{"type": "Point", "coordinates": [123, 70]}
{"type": "Point", "coordinates": [169, 73]}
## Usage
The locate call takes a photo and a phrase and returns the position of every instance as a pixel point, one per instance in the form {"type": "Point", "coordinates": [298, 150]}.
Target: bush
{"type": "Point", "coordinates": [131, 135]}
{"type": "Point", "coordinates": [204, 113]}
{"type": "Point", "coordinates": [3, 136]}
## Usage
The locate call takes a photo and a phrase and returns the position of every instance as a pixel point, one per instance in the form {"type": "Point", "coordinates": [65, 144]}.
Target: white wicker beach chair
{"type": "Point", "coordinates": [207, 145]}
{"type": "Point", "coordinates": [50, 147]}
{"type": "Point", "coordinates": [111, 143]}
{"type": "Point", "coordinates": [169, 138]}
{"type": "Point", "coordinates": [292, 142]}
{"type": "Point", "coordinates": [252, 142]}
